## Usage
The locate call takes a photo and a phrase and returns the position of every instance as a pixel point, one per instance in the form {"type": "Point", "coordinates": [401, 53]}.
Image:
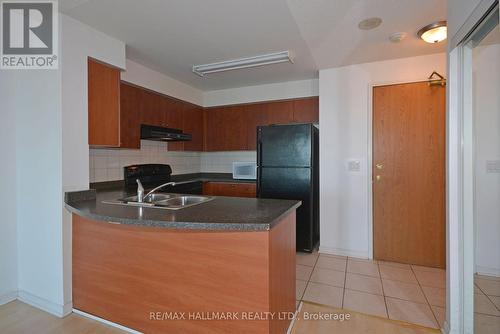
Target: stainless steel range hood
{"type": "Point", "coordinates": [158, 133]}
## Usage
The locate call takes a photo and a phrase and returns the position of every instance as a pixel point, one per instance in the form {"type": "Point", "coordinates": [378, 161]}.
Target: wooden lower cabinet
{"type": "Point", "coordinates": [230, 189]}
{"type": "Point", "coordinates": [144, 278]}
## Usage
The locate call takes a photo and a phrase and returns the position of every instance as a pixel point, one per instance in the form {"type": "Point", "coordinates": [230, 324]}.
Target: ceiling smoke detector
{"type": "Point", "coordinates": [369, 24]}
{"type": "Point", "coordinates": [434, 32]}
{"type": "Point", "coordinates": [397, 37]}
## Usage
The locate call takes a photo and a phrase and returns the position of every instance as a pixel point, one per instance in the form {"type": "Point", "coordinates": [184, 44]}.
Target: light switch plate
{"type": "Point", "coordinates": [493, 166]}
{"type": "Point", "coordinates": [354, 165]}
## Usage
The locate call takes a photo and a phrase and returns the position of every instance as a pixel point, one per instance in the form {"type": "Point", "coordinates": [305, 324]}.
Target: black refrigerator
{"type": "Point", "coordinates": [287, 168]}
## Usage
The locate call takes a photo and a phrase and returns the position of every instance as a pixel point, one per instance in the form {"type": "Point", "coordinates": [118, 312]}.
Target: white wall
{"type": "Point", "coordinates": [79, 42]}
{"type": "Point", "coordinates": [345, 126]}
{"type": "Point", "coordinates": [36, 97]}
{"type": "Point", "coordinates": [145, 77]}
{"type": "Point", "coordinates": [486, 95]}
{"type": "Point", "coordinates": [8, 229]}
{"type": "Point", "coordinates": [269, 92]}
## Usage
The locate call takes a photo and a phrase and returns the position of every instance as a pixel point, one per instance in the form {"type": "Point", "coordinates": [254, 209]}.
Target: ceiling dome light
{"type": "Point", "coordinates": [369, 24]}
{"type": "Point", "coordinates": [434, 32]}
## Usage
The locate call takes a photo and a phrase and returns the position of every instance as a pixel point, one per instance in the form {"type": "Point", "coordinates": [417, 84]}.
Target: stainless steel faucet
{"type": "Point", "coordinates": [140, 190]}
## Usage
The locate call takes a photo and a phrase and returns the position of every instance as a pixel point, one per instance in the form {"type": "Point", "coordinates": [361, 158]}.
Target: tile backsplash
{"type": "Point", "coordinates": [107, 164]}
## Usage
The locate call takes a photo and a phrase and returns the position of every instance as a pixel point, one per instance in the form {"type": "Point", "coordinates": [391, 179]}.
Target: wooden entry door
{"type": "Point", "coordinates": [409, 174]}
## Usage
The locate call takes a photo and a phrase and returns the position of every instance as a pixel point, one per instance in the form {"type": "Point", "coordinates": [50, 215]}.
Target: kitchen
{"type": "Point", "coordinates": [144, 195]}
{"type": "Point", "coordinates": [283, 183]}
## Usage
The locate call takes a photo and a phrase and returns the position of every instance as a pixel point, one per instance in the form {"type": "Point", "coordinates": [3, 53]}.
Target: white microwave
{"type": "Point", "coordinates": [244, 170]}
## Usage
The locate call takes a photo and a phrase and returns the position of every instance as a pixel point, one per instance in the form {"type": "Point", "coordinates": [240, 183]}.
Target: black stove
{"type": "Point", "coordinates": [150, 175]}
{"type": "Point", "coordinates": [153, 175]}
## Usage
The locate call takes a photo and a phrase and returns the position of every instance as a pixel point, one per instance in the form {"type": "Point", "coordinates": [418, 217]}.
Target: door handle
{"type": "Point", "coordinates": [379, 166]}
{"type": "Point", "coordinates": [378, 177]}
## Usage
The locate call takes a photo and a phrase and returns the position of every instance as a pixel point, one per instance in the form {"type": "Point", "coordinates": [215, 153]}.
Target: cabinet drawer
{"type": "Point", "coordinates": [229, 189]}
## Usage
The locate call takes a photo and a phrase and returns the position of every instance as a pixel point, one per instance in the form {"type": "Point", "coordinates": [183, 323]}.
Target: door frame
{"type": "Point", "coordinates": [370, 156]}
{"type": "Point", "coordinates": [460, 177]}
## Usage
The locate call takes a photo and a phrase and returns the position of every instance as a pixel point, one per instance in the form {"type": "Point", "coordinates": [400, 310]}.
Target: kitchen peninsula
{"type": "Point", "coordinates": [154, 270]}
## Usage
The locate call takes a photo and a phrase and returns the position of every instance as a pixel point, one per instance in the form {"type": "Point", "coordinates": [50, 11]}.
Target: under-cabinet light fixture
{"type": "Point", "coordinates": [272, 58]}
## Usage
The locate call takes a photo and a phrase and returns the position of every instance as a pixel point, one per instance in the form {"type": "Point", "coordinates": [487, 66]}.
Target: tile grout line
{"type": "Point", "coordinates": [383, 291]}
{"type": "Point", "coordinates": [345, 280]}
{"type": "Point", "coordinates": [309, 279]}
{"type": "Point", "coordinates": [425, 296]}
{"type": "Point", "coordinates": [487, 296]}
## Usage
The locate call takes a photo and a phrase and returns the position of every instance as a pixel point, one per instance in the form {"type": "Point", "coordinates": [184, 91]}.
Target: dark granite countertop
{"type": "Point", "coordinates": [209, 177]}
{"type": "Point", "coordinates": [179, 179]}
{"type": "Point", "coordinates": [219, 214]}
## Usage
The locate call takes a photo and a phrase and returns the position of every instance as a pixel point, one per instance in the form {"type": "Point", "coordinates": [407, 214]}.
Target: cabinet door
{"type": "Point", "coordinates": [103, 104]}
{"type": "Point", "coordinates": [280, 112]}
{"type": "Point", "coordinates": [193, 124]}
{"type": "Point", "coordinates": [150, 108]}
{"type": "Point", "coordinates": [130, 121]}
{"type": "Point", "coordinates": [306, 110]}
{"type": "Point", "coordinates": [214, 129]}
{"type": "Point", "coordinates": [226, 129]}
{"type": "Point", "coordinates": [229, 189]}
{"type": "Point", "coordinates": [256, 115]}
{"type": "Point", "coordinates": [173, 112]}
{"type": "Point", "coordinates": [173, 118]}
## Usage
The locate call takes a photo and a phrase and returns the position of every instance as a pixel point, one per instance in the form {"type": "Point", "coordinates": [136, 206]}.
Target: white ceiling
{"type": "Point", "coordinates": [172, 35]}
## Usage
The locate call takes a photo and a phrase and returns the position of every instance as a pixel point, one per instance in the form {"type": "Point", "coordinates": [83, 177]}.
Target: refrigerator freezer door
{"type": "Point", "coordinates": [289, 145]}
{"type": "Point", "coordinates": [291, 183]}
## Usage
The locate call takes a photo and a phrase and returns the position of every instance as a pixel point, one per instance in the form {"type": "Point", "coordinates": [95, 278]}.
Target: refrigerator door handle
{"type": "Point", "coordinates": [259, 152]}
{"type": "Point", "coordinates": [258, 182]}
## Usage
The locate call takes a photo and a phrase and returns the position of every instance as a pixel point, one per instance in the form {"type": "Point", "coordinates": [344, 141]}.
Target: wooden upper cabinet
{"type": "Point", "coordinates": [174, 110]}
{"type": "Point", "coordinates": [306, 110]}
{"type": "Point", "coordinates": [280, 112]}
{"type": "Point", "coordinates": [193, 124]}
{"type": "Point", "coordinates": [226, 129]}
{"type": "Point", "coordinates": [151, 108]}
{"type": "Point", "coordinates": [130, 109]}
{"type": "Point", "coordinates": [117, 110]}
{"type": "Point", "coordinates": [256, 115]}
{"type": "Point", "coordinates": [142, 106]}
{"type": "Point", "coordinates": [103, 104]}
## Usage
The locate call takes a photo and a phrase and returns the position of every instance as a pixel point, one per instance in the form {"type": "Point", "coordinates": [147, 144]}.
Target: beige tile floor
{"type": "Point", "coordinates": [486, 304]}
{"type": "Point", "coordinates": [413, 294]}
{"type": "Point", "coordinates": [358, 323]}
{"type": "Point", "coordinates": [361, 293]}
{"type": "Point", "coordinates": [396, 291]}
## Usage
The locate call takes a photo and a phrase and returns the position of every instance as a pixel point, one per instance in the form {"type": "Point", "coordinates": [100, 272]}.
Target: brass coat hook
{"type": "Point", "coordinates": [441, 81]}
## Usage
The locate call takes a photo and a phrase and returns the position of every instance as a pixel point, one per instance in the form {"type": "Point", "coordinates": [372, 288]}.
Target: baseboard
{"type": "Point", "coordinates": [104, 321]}
{"type": "Point", "coordinates": [446, 327]}
{"type": "Point", "coordinates": [8, 297]}
{"type": "Point", "coordinates": [342, 252]}
{"type": "Point", "coordinates": [45, 305]}
{"type": "Point", "coordinates": [487, 271]}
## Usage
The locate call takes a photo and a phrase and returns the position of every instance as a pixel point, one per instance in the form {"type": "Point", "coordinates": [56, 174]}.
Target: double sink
{"type": "Point", "coordinates": [163, 201]}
